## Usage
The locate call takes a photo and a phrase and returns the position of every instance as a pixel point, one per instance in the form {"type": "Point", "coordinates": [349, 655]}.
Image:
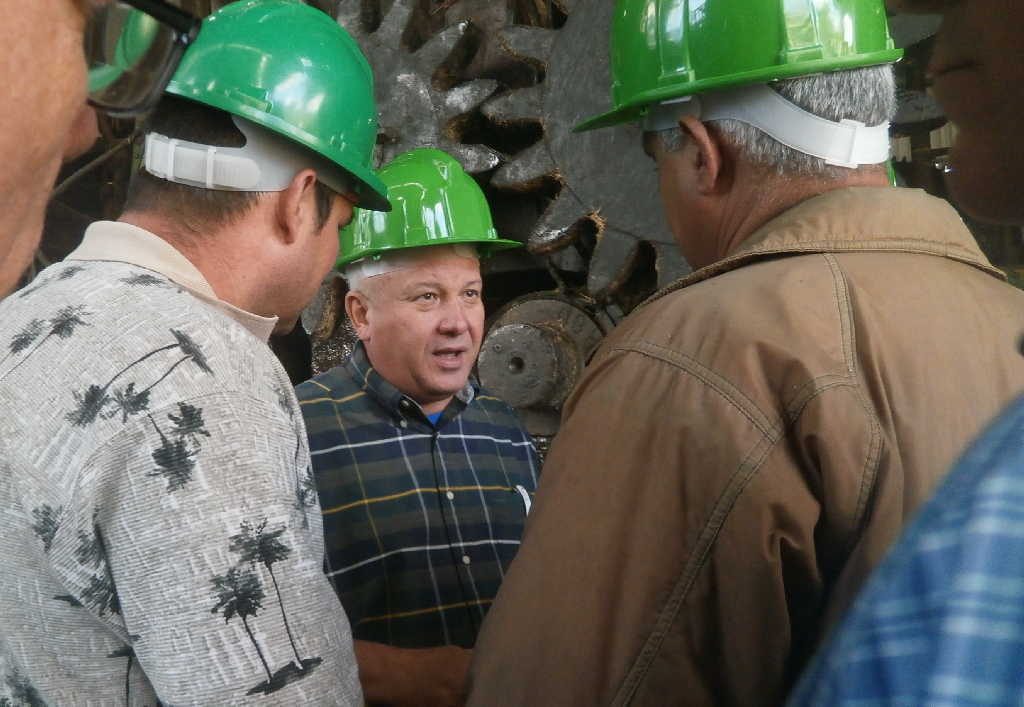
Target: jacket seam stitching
{"type": "Point", "coordinates": [721, 511]}
{"type": "Point", "coordinates": [721, 385]}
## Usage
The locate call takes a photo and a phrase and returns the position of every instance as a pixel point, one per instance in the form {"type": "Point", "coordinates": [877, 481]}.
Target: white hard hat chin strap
{"type": "Point", "coordinates": [267, 163]}
{"type": "Point", "coordinates": [848, 143]}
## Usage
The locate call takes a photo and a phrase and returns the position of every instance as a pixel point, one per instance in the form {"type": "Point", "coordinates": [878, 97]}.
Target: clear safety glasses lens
{"type": "Point", "coordinates": [132, 51]}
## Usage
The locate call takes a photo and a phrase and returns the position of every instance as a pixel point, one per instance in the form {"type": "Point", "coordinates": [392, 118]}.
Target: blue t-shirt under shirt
{"type": "Point", "coordinates": [435, 417]}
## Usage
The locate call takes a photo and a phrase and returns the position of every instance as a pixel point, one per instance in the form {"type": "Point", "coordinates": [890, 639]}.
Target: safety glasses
{"type": "Point", "coordinates": [133, 48]}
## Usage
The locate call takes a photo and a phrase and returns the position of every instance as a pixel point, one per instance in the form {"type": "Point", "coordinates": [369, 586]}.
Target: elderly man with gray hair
{"type": "Point", "coordinates": [747, 445]}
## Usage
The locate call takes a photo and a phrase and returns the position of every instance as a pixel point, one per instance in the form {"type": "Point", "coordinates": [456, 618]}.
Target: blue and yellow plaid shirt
{"type": "Point", "coordinates": [420, 522]}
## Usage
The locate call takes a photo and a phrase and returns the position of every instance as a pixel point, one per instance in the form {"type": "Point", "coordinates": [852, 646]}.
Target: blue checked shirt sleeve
{"type": "Point", "coordinates": [942, 620]}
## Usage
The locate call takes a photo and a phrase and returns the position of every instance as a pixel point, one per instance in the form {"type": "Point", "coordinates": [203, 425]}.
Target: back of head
{"type": "Point", "coordinates": [804, 88]}
{"type": "Point", "coordinates": [280, 75]}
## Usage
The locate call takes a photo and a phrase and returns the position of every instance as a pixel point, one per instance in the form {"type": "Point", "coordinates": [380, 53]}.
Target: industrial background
{"type": "Point", "coordinates": [499, 84]}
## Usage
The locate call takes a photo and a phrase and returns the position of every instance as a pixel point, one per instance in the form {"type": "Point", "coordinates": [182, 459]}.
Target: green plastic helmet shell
{"type": "Point", "coordinates": [291, 69]}
{"type": "Point", "coordinates": [435, 203]}
{"type": "Point", "coordinates": [664, 49]}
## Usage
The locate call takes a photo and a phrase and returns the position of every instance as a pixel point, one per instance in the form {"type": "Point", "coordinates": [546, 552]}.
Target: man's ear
{"type": "Point", "coordinates": [708, 155]}
{"type": "Point", "coordinates": [358, 310]}
{"type": "Point", "coordinates": [296, 206]}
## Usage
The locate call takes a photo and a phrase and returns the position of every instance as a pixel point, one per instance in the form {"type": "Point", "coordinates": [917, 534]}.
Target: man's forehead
{"type": "Point", "coordinates": [433, 265]}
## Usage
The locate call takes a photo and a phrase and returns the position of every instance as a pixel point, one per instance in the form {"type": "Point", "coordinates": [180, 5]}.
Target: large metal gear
{"type": "Point", "coordinates": [608, 203]}
{"type": "Point", "coordinates": [417, 103]}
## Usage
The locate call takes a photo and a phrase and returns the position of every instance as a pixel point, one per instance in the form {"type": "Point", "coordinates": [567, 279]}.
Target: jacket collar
{"type": "Point", "coordinates": [394, 401]}
{"type": "Point", "coordinates": [856, 219]}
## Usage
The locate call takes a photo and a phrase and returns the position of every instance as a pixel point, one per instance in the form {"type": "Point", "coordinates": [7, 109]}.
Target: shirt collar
{"type": "Point", "coordinates": [115, 241]}
{"type": "Point", "coordinates": [391, 398]}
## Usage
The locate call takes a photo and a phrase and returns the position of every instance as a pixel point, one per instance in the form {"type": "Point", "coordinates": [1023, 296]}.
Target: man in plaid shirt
{"type": "Point", "coordinates": [424, 479]}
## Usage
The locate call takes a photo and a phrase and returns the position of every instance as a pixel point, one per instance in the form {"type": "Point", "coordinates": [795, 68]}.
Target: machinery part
{"type": "Point", "coordinates": [534, 352]}
{"type": "Point", "coordinates": [616, 208]}
{"type": "Point", "coordinates": [414, 110]}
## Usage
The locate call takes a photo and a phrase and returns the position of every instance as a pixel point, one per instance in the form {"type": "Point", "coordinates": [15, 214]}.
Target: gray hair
{"type": "Point", "coordinates": [867, 94]}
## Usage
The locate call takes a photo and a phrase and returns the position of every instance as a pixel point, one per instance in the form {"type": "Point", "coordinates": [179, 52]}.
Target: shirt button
{"type": "Point", "coordinates": [403, 423]}
{"type": "Point", "coordinates": [465, 559]}
{"type": "Point", "coordinates": [450, 495]}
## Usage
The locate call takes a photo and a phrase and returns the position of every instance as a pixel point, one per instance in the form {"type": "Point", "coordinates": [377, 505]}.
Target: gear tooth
{"type": "Point", "coordinates": [612, 263]}
{"type": "Point", "coordinates": [526, 170]}
{"type": "Point", "coordinates": [565, 6]}
{"type": "Point", "coordinates": [436, 49]}
{"type": "Point", "coordinates": [568, 260]}
{"type": "Point", "coordinates": [556, 229]}
{"type": "Point", "coordinates": [465, 97]}
{"type": "Point", "coordinates": [394, 23]}
{"type": "Point", "coordinates": [349, 16]}
{"type": "Point", "coordinates": [473, 158]}
{"type": "Point", "coordinates": [532, 44]}
{"type": "Point", "coordinates": [524, 104]}
{"type": "Point", "coordinates": [670, 264]}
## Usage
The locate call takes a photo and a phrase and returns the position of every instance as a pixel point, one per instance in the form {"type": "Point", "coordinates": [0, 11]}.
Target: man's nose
{"type": "Point", "coordinates": [454, 320]}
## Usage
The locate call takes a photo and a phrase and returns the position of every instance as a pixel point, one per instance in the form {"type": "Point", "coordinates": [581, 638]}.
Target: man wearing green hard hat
{"type": "Point", "coordinates": [424, 478]}
{"type": "Point", "coordinates": [161, 531]}
{"type": "Point", "coordinates": [743, 449]}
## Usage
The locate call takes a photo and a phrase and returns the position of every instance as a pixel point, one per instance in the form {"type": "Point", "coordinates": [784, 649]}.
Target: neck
{"type": "Point", "coordinates": [765, 196]}
{"type": "Point", "coordinates": [215, 254]}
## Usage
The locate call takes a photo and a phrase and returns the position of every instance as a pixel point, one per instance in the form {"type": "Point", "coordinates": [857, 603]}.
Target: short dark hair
{"type": "Point", "coordinates": [196, 207]}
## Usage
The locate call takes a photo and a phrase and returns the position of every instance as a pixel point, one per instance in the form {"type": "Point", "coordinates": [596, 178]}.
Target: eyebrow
{"type": "Point", "coordinates": [437, 285]}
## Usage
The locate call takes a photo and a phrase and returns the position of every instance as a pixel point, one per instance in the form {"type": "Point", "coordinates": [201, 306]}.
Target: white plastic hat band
{"type": "Point", "coordinates": [268, 162]}
{"type": "Point", "coordinates": [848, 143]}
{"type": "Point", "coordinates": [399, 260]}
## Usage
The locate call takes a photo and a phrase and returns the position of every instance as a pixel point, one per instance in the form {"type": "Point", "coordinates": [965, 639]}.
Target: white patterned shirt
{"type": "Point", "coordinates": [159, 527]}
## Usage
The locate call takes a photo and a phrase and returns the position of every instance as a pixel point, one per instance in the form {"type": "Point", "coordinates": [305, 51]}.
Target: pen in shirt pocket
{"type": "Point", "coordinates": [527, 503]}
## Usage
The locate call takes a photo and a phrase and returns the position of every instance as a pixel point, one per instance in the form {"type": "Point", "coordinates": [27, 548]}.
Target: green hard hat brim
{"type": "Point", "coordinates": [370, 189]}
{"type": "Point", "coordinates": [485, 248]}
{"type": "Point", "coordinates": [635, 109]}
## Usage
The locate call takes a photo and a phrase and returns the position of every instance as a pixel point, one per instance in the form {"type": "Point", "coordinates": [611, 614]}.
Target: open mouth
{"type": "Point", "coordinates": [449, 357]}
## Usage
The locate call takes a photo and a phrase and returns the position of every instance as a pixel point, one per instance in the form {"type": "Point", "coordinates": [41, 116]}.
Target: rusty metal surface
{"type": "Point", "coordinates": [415, 108]}
{"type": "Point", "coordinates": [534, 352]}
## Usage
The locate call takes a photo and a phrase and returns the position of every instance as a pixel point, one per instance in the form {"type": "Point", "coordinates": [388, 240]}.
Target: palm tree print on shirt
{"type": "Point", "coordinates": [240, 592]}
{"type": "Point", "coordinates": [65, 274]}
{"type": "Point", "coordinates": [176, 456]}
{"type": "Point", "coordinates": [93, 402]}
{"type": "Point", "coordinates": [100, 594]}
{"type": "Point", "coordinates": [22, 691]}
{"type": "Point", "coordinates": [31, 337]}
{"type": "Point", "coordinates": [256, 544]}
{"type": "Point", "coordinates": [144, 280]}
{"type": "Point", "coordinates": [47, 522]}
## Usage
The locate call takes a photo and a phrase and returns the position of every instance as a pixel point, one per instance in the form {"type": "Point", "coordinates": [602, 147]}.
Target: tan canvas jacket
{"type": "Point", "coordinates": [743, 450]}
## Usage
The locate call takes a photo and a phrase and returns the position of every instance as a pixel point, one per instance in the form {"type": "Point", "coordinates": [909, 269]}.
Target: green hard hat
{"type": "Point", "coordinates": [435, 203]}
{"type": "Point", "coordinates": [291, 69]}
{"type": "Point", "coordinates": [665, 49]}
